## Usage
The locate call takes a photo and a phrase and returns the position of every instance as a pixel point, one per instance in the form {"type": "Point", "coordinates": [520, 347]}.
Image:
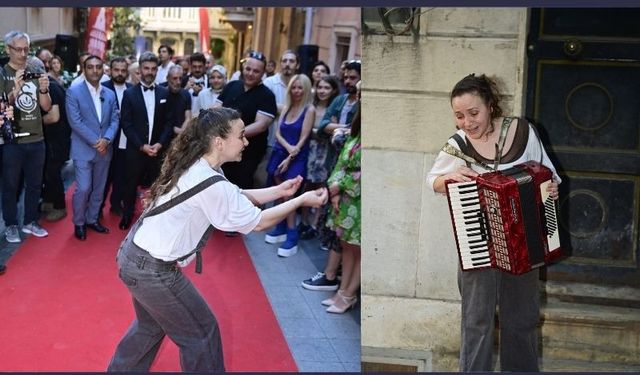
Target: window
{"type": "Point", "coordinates": [342, 50]}
{"type": "Point", "coordinates": [188, 46]}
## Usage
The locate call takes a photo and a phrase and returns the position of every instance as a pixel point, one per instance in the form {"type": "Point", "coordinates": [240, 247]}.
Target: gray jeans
{"type": "Point", "coordinates": [518, 299]}
{"type": "Point", "coordinates": [165, 303]}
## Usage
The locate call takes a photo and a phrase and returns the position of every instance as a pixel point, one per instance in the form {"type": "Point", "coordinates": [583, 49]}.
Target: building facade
{"type": "Point", "coordinates": [335, 31]}
{"type": "Point", "coordinates": [180, 29]}
{"type": "Point", "coordinates": [42, 24]}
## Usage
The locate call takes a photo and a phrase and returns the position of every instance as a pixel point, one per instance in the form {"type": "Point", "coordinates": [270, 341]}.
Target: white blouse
{"type": "Point", "coordinates": [446, 163]}
{"type": "Point", "coordinates": [176, 232]}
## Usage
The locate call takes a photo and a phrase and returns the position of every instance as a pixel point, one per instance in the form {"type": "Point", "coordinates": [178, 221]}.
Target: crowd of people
{"type": "Point", "coordinates": [117, 119]}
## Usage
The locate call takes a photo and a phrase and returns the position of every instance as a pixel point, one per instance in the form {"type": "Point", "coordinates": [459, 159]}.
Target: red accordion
{"type": "Point", "coordinates": [505, 219]}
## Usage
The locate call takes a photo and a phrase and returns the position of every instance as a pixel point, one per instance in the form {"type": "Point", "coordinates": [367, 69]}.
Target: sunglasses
{"type": "Point", "coordinates": [256, 55]}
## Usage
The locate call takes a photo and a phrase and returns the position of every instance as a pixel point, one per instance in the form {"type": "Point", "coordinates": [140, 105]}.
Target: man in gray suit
{"type": "Point", "coordinates": [93, 116]}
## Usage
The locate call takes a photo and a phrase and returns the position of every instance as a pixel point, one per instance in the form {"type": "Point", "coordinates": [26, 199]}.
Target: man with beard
{"type": "Point", "coordinates": [25, 155]}
{"type": "Point", "coordinates": [343, 107]}
{"type": "Point", "coordinates": [278, 83]}
{"type": "Point", "coordinates": [196, 80]}
{"type": "Point", "coordinates": [118, 84]}
{"type": "Point", "coordinates": [257, 104]}
{"type": "Point", "coordinates": [145, 116]}
{"type": "Point", "coordinates": [93, 116]}
{"type": "Point", "coordinates": [179, 100]}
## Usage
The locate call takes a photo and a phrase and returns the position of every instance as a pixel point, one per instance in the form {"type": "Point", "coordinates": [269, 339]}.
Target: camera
{"type": "Point", "coordinates": [30, 75]}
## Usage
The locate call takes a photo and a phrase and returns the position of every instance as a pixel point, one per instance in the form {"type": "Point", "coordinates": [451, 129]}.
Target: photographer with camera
{"type": "Point", "coordinates": [27, 88]}
{"type": "Point", "coordinates": [196, 80]}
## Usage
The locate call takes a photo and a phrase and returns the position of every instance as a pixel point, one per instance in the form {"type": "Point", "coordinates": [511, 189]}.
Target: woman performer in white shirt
{"type": "Point", "coordinates": [475, 101]}
{"type": "Point", "coordinates": [149, 259]}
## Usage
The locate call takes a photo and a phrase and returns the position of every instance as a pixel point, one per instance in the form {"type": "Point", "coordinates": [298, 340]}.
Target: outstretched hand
{"type": "Point", "coordinates": [316, 198]}
{"type": "Point", "coordinates": [290, 186]}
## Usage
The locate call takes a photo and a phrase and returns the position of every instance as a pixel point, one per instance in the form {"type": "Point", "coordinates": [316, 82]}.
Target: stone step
{"type": "Point", "coordinates": [558, 365]}
{"type": "Point", "coordinates": [590, 333]}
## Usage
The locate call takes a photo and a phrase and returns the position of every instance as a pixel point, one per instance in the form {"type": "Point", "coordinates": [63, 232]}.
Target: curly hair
{"type": "Point", "coordinates": [483, 86]}
{"type": "Point", "coordinates": [189, 146]}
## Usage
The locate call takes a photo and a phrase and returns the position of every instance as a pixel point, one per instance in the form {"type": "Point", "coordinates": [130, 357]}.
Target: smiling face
{"type": "Point", "coordinates": [472, 115]}
{"type": "Point", "coordinates": [252, 71]}
{"type": "Point", "coordinates": [216, 80]}
{"type": "Point", "coordinates": [235, 142]}
{"type": "Point", "coordinates": [324, 90]}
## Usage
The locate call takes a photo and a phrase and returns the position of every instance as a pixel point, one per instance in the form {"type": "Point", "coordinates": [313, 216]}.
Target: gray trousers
{"type": "Point", "coordinates": [91, 177]}
{"type": "Point", "coordinates": [518, 299]}
{"type": "Point", "coordinates": [165, 303]}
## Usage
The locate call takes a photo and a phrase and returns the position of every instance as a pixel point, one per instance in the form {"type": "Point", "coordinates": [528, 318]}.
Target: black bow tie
{"type": "Point", "coordinates": [145, 88]}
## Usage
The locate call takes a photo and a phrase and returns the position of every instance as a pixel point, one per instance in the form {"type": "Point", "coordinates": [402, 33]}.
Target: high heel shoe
{"type": "Point", "coordinates": [342, 304]}
{"type": "Point", "coordinates": [331, 300]}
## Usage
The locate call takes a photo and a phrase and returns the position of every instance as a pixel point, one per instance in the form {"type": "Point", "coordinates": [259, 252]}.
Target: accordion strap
{"type": "Point", "coordinates": [463, 153]}
{"type": "Point", "coordinates": [506, 122]}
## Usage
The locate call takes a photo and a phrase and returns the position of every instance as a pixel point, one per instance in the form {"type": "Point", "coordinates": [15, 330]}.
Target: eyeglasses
{"type": "Point", "coordinates": [24, 50]}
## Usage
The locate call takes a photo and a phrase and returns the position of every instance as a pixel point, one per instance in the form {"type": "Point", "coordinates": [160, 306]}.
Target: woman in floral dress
{"type": "Point", "coordinates": [344, 189]}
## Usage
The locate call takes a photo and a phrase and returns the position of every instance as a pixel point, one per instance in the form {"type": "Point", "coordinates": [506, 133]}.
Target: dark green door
{"type": "Point", "coordinates": [583, 93]}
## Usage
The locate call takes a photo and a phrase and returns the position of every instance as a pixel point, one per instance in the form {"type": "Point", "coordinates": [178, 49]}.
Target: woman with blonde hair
{"type": "Point", "coordinates": [290, 153]}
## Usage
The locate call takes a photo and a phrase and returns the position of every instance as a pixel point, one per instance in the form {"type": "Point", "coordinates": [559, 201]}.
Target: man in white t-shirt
{"type": "Point", "coordinates": [165, 55]}
{"type": "Point", "coordinates": [278, 83]}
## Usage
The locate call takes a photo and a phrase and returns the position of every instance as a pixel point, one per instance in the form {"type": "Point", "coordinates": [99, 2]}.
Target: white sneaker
{"type": "Point", "coordinates": [35, 229]}
{"type": "Point", "coordinates": [12, 235]}
{"type": "Point", "coordinates": [284, 252]}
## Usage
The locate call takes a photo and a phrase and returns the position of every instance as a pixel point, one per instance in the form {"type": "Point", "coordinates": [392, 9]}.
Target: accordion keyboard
{"type": "Point", "coordinates": [469, 225]}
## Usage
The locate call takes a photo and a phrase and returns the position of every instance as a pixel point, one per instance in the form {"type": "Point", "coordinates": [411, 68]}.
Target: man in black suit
{"type": "Point", "coordinates": [145, 115]}
{"type": "Point", "coordinates": [117, 170]}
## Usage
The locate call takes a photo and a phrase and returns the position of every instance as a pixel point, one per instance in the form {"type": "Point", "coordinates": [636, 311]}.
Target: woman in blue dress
{"type": "Point", "coordinates": [290, 153]}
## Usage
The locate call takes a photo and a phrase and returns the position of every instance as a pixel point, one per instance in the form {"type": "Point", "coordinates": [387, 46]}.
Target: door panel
{"type": "Point", "coordinates": [583, 94]}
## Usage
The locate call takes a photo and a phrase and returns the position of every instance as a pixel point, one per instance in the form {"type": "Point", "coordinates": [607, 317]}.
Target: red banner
{"type": "Point", "coordinates": [98, 25]}
{"type": "Point", "coordinates": [204, 30]}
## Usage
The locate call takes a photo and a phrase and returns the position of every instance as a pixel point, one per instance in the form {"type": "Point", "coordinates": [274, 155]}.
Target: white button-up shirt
{"type": "Point", "coordinates": [150, 102]}
{"type": "Point", "coordinates": [95, 96]}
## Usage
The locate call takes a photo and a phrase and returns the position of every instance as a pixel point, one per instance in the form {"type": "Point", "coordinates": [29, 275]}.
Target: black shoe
{"type": "Point", "coordinates": [125, 223]}
{"type": "Point", "coordinates": [98, 227]}
{"type": "Point", "coordinates": [3, 269]}
{"type": "Point", "coordinates": [308, 233]}
{"type": "Point", "coordinates": [80, 232]}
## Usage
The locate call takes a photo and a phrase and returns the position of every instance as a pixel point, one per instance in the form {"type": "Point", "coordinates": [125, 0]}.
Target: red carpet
{"type": "Point", "coordinates": [63, 308]}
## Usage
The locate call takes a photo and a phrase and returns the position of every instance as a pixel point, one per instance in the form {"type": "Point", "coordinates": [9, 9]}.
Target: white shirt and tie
{"type": "Point", "coordinates": [148, 93]}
